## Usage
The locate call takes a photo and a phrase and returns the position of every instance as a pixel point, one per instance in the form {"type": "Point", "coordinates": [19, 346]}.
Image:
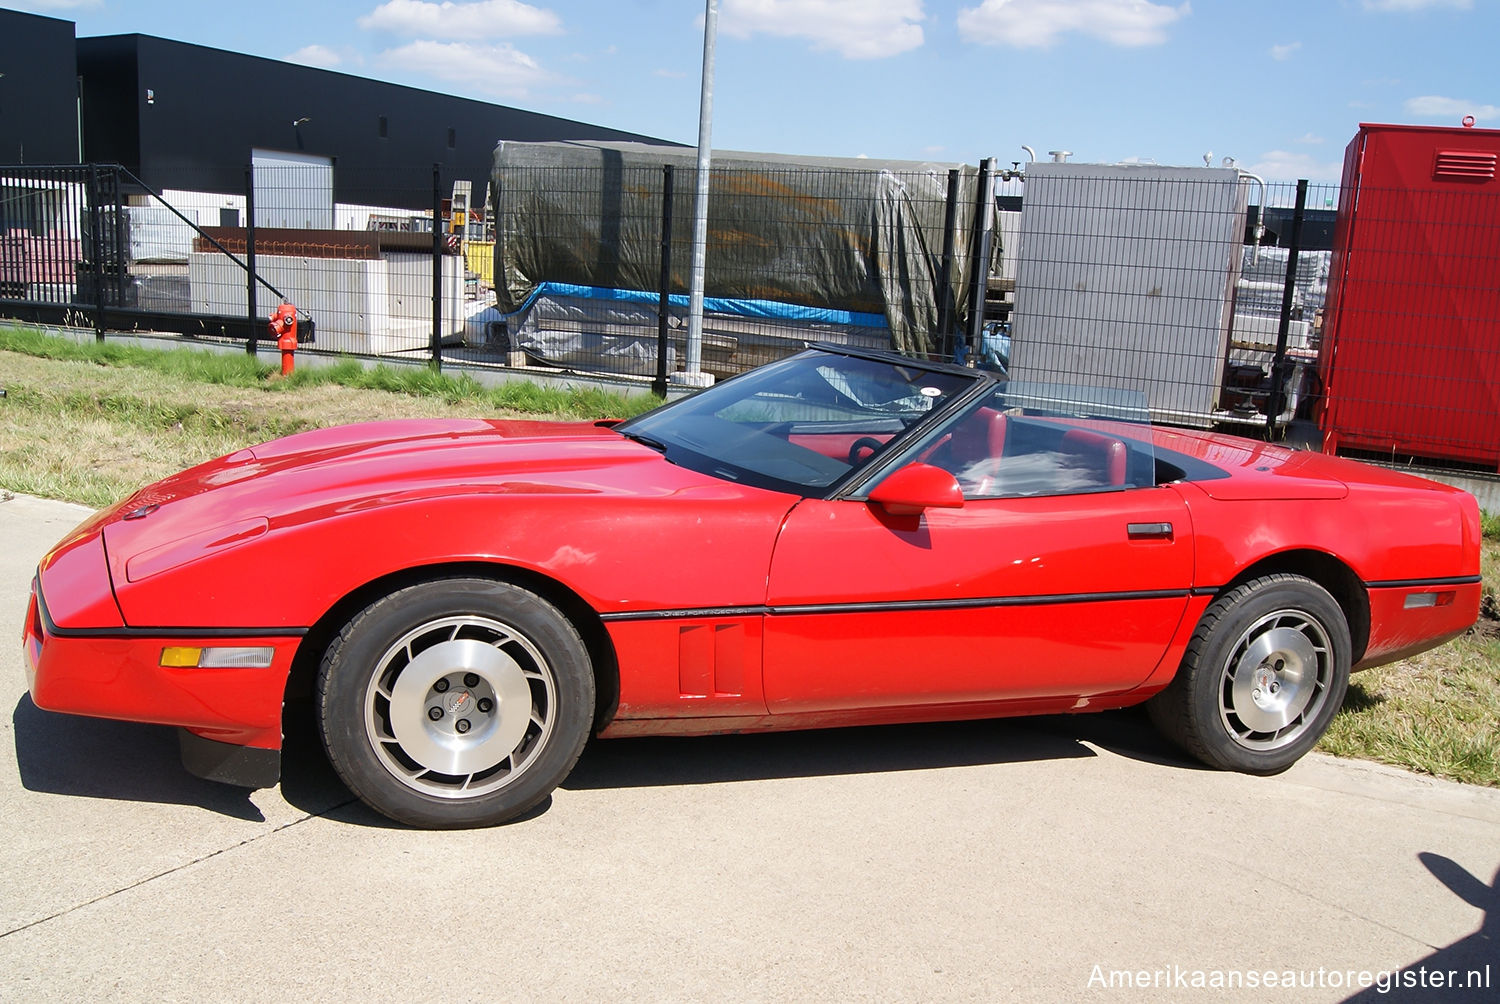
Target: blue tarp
{"type": "Point", "coordinates": [711, 304]}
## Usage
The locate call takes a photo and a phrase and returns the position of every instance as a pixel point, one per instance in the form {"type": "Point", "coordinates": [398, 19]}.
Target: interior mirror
{"type": "Point", "coordinates": [909, 490]}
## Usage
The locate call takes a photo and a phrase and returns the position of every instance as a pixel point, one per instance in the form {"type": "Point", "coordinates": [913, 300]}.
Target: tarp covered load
{"type": "Point", "coordinates": [862, 236]}
{"type": "Point", "coordinates": [617, 330]}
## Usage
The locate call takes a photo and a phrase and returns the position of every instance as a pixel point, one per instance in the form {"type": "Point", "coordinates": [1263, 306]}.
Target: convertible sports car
{"type": "Point", "coordinates": [838, 538]}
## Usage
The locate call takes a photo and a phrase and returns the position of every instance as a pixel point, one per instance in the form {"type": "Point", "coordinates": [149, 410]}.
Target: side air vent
{"type": "Point", "coordinates": [711, 660]}
{"type": "Point", "coordinates": [1465, 165]}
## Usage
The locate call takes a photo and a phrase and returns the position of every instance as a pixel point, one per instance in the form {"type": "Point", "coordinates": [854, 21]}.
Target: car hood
{"type": "Point", "coordinates": [328, 472]}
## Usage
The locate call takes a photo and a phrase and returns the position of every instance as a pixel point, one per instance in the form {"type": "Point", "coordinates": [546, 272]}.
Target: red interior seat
{"type": "Point", "coordinates": [1104, 456]}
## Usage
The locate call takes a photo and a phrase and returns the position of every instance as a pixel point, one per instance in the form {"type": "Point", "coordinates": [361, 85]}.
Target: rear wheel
{"type": "Point", "coordinates": [458, 702]}
{"type": "Point", "coordinates": [1265, 672]}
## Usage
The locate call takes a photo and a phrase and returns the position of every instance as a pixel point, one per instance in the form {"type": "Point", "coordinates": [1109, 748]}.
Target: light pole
{"type": "Point", "coordinates": [693, 374]}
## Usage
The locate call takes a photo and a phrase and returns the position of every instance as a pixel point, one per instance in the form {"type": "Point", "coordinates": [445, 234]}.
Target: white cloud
{"type": "Point", "coordinates": [1410, 5]}
{"type": "Point", "coordinates": [465, 21]}
{"type": "Point", "coordinates": [1311, 139]}
{"type": "Point", "coordinates": [1039, 23]}
{"type": "Point", "coordinates": [491, 69]}
{"type": "Point", "coordinates": [855, 29]}
{"type": "Point", "coordinates": [1285, 165]}
{"type": "Point", "coordinates": [315, 55]}
{"type": "Point", "coordinates": [1281, 53]}
{"type": "Point", "coordinates": [1451, 110]}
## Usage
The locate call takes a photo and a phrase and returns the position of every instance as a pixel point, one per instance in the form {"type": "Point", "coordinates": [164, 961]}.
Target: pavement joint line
{"type": "Point", "coordinates": [173, 870]}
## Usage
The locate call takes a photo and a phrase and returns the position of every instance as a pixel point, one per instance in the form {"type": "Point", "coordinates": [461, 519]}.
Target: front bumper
{"type": "Point", "coordinates": [116, 673]}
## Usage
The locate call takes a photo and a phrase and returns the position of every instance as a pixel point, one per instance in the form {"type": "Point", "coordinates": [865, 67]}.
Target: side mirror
{"type": "Point", "coordinates": [909, 490]}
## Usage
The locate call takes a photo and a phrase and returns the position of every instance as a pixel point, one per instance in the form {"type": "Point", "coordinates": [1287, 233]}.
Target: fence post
{"type": "Point", "coordinates": [945, 276]}
{"type": "Point", "coordinates": [96, 249]}
{"type": "Point", "coordinates": [1289, 287]}
{"type": "Point", "coordinates": [252, 343]}
{"type": "Point", "coordinates": [437, 266]}
{"type": "Point", "coordinates": [121, 234]}
{"type": "Point", "coordinates": [659, 385]}
{"type": "Point", "coordinates": [983, 214]}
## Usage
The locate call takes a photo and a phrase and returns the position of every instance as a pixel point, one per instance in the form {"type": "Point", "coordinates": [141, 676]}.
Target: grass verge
{"type": "Point", "coordinates": [237, 370]}
{"type": "Point", "coordinates": [91, 423]}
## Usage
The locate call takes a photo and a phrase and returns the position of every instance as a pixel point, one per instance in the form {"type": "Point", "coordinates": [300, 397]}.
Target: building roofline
{"type": "Point", "coordinates": [478, 104]}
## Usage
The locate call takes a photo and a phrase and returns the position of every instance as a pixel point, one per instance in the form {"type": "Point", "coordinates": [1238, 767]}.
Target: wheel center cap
{"type": "Point", "coordinates": [459, 702]}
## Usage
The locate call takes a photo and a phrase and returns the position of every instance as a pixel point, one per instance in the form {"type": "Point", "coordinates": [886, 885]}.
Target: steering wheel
{"type": "Point", "coordinates": [863, 449]}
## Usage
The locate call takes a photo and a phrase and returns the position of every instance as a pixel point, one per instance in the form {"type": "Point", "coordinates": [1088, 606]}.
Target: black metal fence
{"type": "Point", "coordinates": [94, 245]}
{"type": "Point", "coordinates": [593, 266]}
{"type": "Point", "coordinates": [1220, 298]}
{"type": "Point", "coordinates": [1167, 281]}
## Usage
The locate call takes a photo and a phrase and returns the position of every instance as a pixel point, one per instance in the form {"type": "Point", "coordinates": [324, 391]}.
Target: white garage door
{"type": "Point", "coordinates": [292, 190]}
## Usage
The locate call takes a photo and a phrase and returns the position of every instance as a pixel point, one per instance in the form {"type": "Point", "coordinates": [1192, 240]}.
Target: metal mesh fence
{"type": "Point", "coordinates": [1228, 303]}
{"type": "Point", "coordinates": [584, 275]}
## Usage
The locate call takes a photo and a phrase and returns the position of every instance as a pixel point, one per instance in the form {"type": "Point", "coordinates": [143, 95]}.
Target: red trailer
{"type": "Point", "coordinates": [1410, 356]}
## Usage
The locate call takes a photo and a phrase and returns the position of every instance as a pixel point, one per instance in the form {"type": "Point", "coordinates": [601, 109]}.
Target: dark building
{"type": "Point", "coordinates": [188, 117]}
{"type": "Point", "coordinates": [38, 90]}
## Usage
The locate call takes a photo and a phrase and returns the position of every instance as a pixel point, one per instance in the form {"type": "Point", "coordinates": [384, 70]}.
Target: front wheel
{"type": "Point", "coordinates": [455, 703]}
{"type": "Point", "coordinates": [1263, 675]}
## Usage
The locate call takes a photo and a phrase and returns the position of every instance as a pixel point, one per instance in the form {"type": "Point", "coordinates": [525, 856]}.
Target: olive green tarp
{"type": "Point", "coordinates": [858, 235]}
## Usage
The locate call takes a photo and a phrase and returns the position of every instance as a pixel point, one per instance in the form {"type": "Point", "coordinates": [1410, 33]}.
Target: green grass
{"type": "Point", "coordinates": [92, 422]}
{"type": "Point", "coordinates": [238, 370]}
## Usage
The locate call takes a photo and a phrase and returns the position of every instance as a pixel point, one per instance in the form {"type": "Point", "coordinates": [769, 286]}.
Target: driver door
{"type": "Point", "coordinates": [1064, 595]}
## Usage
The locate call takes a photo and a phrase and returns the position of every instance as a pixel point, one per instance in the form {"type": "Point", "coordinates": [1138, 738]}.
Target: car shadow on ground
{"type": "Point", "coordinates": [97, 758]}
{"type": "Point", "coordinates": [649, 762]}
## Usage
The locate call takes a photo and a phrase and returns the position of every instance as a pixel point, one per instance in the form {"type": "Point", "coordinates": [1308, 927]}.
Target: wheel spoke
{"type": "Point", "coordinates": [1275, 680]}
{"type": "Point", "coordinates": [423, 706]}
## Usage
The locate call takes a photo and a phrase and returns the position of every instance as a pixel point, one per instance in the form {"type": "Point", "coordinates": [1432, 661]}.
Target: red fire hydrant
{"type": "Point", "coordinates": [284, 327]}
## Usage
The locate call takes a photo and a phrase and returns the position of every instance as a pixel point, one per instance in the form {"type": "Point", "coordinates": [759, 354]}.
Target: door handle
{"type": "Point", "coordinates": [1149, 531]}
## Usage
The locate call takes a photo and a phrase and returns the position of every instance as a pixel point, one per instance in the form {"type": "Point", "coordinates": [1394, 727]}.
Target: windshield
{"type": "Point", "coordinates": [803, 424]}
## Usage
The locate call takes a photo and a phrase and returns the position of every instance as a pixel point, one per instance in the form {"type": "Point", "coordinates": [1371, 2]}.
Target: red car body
{"type": "Point", "coordinates": [712, 605]}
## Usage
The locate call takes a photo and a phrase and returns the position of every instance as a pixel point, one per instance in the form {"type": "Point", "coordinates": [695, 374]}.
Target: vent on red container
{"type": "Point", "coordinates": [1465, 164]}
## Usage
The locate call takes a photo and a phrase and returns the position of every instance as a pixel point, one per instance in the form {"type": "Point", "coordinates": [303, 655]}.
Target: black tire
{"type": "Point", "coordinates": [455, 703]}
{"type": "Point", "coordinates": [1263, 675]}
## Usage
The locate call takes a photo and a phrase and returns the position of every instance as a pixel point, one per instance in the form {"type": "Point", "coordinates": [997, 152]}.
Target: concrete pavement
{"type": "Point", "coordinates": [1058, 858]}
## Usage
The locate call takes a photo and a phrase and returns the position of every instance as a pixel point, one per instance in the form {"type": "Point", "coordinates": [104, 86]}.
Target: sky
{"type": "Point", "coordinates": [1279, 86]}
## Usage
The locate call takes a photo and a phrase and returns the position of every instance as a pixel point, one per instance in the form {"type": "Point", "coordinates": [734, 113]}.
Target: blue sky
{"type": "Point", "coordinates": [1280, 85]}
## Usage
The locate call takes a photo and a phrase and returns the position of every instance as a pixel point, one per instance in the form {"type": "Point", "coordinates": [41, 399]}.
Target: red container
{"type": "Point", "coordinates": [1410, 357]}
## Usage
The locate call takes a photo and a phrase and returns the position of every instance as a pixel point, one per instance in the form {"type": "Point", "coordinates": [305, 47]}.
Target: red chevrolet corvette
{"type": "Point", "coordinates": [838, 538]}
